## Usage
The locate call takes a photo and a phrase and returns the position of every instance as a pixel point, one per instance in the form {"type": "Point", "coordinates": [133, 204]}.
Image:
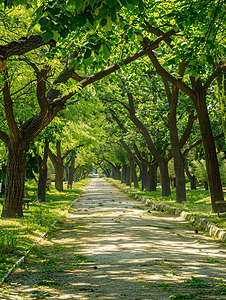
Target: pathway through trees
{"type": "Point", "coordinates": [111, 247]}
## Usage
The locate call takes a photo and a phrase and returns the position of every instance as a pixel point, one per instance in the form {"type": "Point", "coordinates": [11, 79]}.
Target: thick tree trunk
{"type": "Point", "coordinates": [212, 167]}
{"type": "Point", "coordinates": [59, 176]}
{"type": "Point", "coordinates": [165, 181]}
{"type": "Point", "coordinates": [15, 179]}
{"type": "Point", "coordinates": [134, 173]}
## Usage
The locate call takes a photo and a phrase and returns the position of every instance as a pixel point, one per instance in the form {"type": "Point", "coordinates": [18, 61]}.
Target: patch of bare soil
{"type": "Point", "coordinates": [112, 247]}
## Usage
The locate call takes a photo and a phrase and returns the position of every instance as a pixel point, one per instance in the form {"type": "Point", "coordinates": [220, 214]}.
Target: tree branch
{"type": "Point", "coordinates": [185, 136]}
{"type": "Point", "coordinates": [63, 77]}
{"type": "Point", "coordinates": [23, 46]}
{"type": "Point", "coordinates": [4, 137]}
{"type": "Point", "coordinates": [189, 148]}
{"type": "Point", "coordinates": [158, 32]}
{"type": "Point", "coordinates": [9, 109]}
{"type": "Point", "coordinates": [41, 90]}
{"type": "Point", "coordinates": [162, 72]}
{"type": "Point", "coordinates": [214, 75]}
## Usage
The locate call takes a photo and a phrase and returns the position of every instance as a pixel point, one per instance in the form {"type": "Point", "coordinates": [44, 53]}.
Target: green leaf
{"type": "Point", "coordinates": [210, 59]}
{"type": "Point", "coordinates": [103, 22]}
{"type": "Point", "coordinates": [106, 51]}
{"type": "Point", "coordinates": [111, 3]}
{"type": "Point", "coordinates": [87, 53]}
{"type": "Point", "coordinates": [81, 21]}
{"type": "Point", "coordinates": [104, 11]}
{"type": "Point", "coordinates": [141, 6]}
{"type": "Point", "coordinates": [113, 13]}
{"type": "Point", "coordinates": [64, 33]}
{"type": "Point", "coordinates": [47, 36]}
{"type": "Point", "coordinates": [90, 18]}
{"type": "Point", "coordinates": [123, 2]}
{"type": "Point", "coordinates": [43, 21]}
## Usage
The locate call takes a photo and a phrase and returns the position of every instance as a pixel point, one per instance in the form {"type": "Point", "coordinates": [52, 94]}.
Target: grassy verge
{"type": "Point", "coordinates": [20, 234]}
{"type": "Point", "coordinates": [199, 202]}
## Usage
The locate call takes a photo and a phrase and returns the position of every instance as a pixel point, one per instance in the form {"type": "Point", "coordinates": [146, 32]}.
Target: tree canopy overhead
{"type": "Point", "coordinates": [58, 48]}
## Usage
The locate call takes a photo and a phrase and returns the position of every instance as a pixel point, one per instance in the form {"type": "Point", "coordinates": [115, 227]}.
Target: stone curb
{"type": "Point", "coordinates": [22, 259]}
{"type": "Point", "coordinates": [202, 222]}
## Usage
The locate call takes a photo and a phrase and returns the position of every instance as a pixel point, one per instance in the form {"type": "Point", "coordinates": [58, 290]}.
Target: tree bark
{"type": "Point", "coordinates": [58, 163]}
{"type": "Point", "coordinates": [124, 171]}
{"type": "Point", "coordinates": [42, 169]}
{"type": "Point", "coordinates": [71, 173]}
{"type": "Point", "coordinates": [153, 176]}
{"type": "Point", "coordinates": [212, 168]}
{"type": "Point", "coordinates": [133, 172]}
{"type": "Point", "coordinates": [128, 176]}
{"type": "Point", "coordinates": [165, 181]}
{"type": "Point", "coordinates": [192, 179]}
{"type": "Point", "coordinates": [15, 179]}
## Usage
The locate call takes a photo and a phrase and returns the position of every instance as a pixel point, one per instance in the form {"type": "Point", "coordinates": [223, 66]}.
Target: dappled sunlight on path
{"type": "Point", "coordinates": [114, 248]}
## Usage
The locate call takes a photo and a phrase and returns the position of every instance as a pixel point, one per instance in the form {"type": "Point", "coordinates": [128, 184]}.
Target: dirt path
{"type": "Point", "coordinates": [111, 247]}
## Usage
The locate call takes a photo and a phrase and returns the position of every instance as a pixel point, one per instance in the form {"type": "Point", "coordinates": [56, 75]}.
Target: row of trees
{"type": "Point", "coordinates": [68, 47]}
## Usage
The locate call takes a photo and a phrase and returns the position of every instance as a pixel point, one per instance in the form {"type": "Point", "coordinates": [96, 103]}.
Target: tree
{"type": "Point", "coordinates": [42, 168]}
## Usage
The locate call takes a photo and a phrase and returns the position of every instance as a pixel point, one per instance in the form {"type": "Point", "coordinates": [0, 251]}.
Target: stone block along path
{"type": "Point", "coordinates": [113, 247]}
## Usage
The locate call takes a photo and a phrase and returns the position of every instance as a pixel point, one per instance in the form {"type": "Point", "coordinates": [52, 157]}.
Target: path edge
{"type": "Point", "coordinates": [22, 259]}
{"type": "Point", "coordinates": [204, 224]}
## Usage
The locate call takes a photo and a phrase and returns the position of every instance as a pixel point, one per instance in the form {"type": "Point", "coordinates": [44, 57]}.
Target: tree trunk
{"type": "Point", "coordinates": [144, 177]}
{"type": "Point", "coordinates": [206, 186]}
{"type": "Point", "coordinates": [153, 176]}
{"type": "Point", "coordinates": [58, 163]}
{"type": "Point", "coordinates": [42, 169]}
{"type": "Point", "coordinates": [128, 176]}
{"type": "Point", "coordinates": [71, 173]}
{"type": "Point", "coordinates": [165, 181]}
{"type": "Point", "coordinates": [178, 164]}
{"type": "Point", "coordinates": [212, 168]}
{"type": "Point", "coordinates": [59, 176]}
{"type": "Point", "coordinates": [192, 179]}
{"type": "Point", "coordinates": [124, 171]}
{"type": "Point", "coordinates": [134, 173]}
{"type": "Point", "coordinates": [42, 183]}
{"type": "Point", "coordinates": [15, 179]}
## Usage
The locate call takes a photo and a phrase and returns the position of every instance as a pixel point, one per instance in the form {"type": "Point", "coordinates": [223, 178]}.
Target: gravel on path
{"type": "Point", "coordinates": [113, 247]}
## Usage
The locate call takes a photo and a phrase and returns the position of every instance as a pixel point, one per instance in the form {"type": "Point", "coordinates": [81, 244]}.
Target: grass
{"type": "Point", "coordinates": [21, 233]}
{"type": "Point", "coordinates": [199, 202]}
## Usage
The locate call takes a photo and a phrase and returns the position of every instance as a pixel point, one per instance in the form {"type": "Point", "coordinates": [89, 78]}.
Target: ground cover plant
{"type": "Point", "coordinates": [18, 235]}
{"type": "Point", "coordinates": [199, 202]}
